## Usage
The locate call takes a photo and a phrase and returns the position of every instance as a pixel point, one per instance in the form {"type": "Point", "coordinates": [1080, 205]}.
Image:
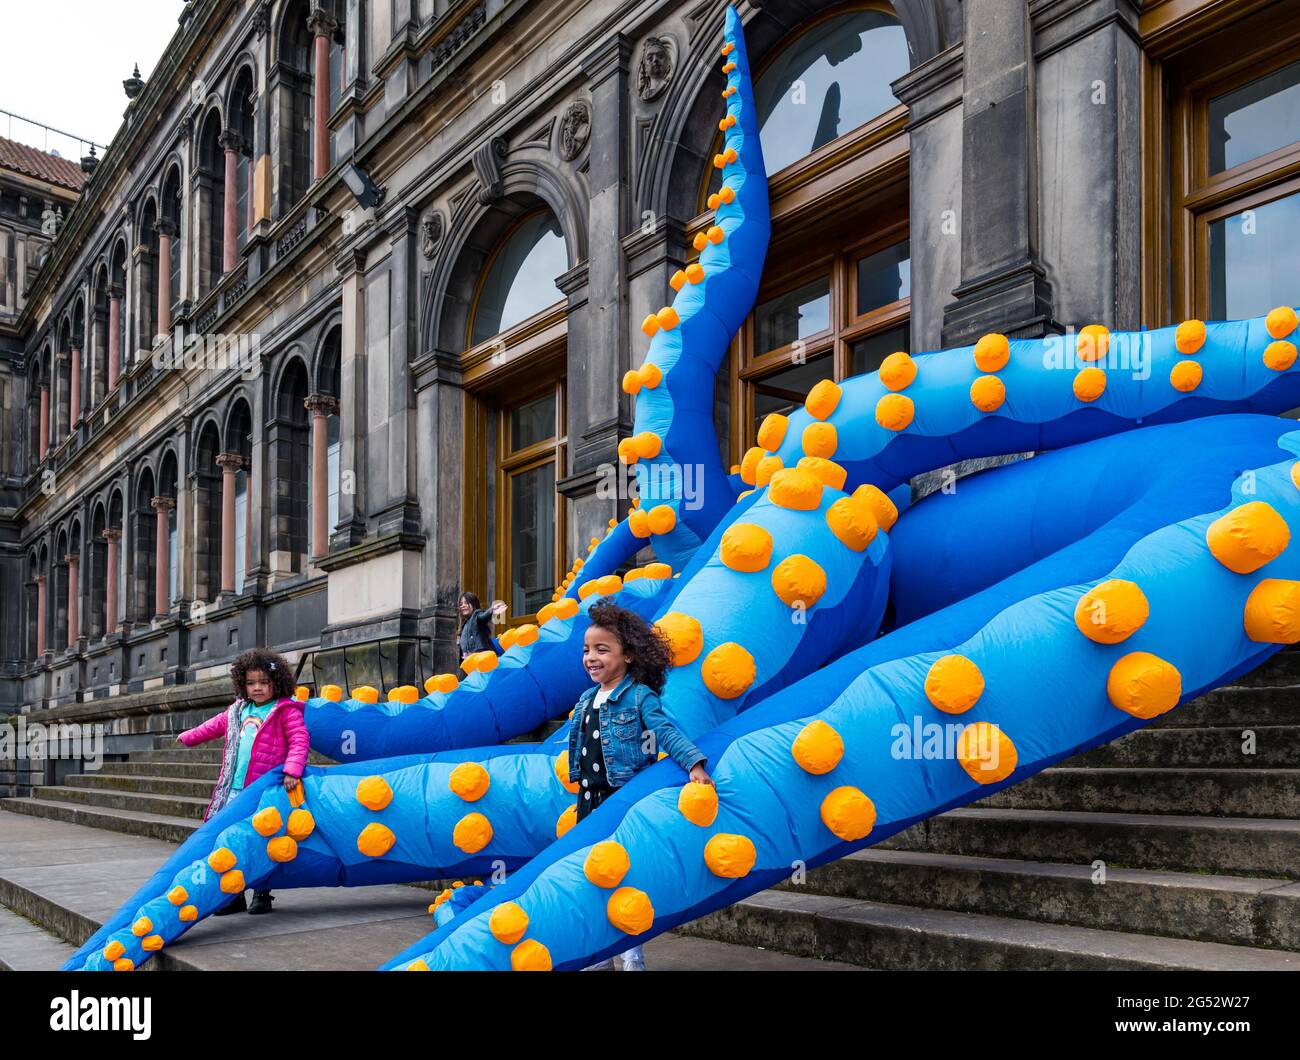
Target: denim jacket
{"type": "Point", "coordinates": [631, 710]}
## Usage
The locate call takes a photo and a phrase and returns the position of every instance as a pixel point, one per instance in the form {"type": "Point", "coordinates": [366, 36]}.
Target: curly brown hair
{"type": "Point", "coordinates": [271, 663]}
{"type": "Point", "coordinates": [648, 652]}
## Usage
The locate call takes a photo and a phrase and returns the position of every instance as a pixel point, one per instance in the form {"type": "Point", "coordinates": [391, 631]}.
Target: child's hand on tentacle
{"type": "Point", "coordinates": [700, 775]}
{"type": "Point", "coordinates": [290, 783]}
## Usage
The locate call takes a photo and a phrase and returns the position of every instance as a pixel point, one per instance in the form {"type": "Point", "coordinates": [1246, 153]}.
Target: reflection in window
{"type": "Point", "coordinates": [884, 277]}
{"type": "Point", "coordinates": [521, 281]}
{"type": "Point", "coordinates": [532, 423]}
{"type": "Point", "coordinates": [532, 538]}
{"type": "Point", "coordinates": [784, 391]}
{"type": "Point", "coordinates": [832, 79]}
{"type": "Point", "coordinates": [1255, 119]}
{"type": "Point", "coordinates": [332, 449]}
{"type": "Point", "coordinates": [1253, 257]}
{"type": "Point", "coordinates": [867, 354]}
{"type": "Point", "coordinates": [241, 527]}
{"type": "Point", "coordinates": [794, 315]}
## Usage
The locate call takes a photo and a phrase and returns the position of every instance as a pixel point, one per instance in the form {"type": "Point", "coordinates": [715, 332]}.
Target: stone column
{"type": "Point", "coordinates": [1003, 285]}
{"type": "Point", "coordinates": [322, 27]}
{"type": "Point", "coordinates": [71, 559]}
{"type": "Point", "coordinates": [229, 142]}
{"type": "Point", "coordinates": [112, 535]}
{"type": "Point", "coordinates": [161, 596]}
{"type": "Point", "coordinates": [40, 615]}
{"type": "Point", "coordinates": [43, 442]}
{"type": "Point", "coordinates": [320, 406]}
{"type": "Point", "coordinates": [114, 334]}
{"type": "Point", "coordinates": [74, 389]}
{"type": "Point", "coordinates": [166, 230]}
{"type": "Point", "coordinates": [230, 463]}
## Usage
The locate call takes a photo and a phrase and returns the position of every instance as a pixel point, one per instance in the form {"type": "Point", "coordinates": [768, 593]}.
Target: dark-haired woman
{"type": "Point", "coordinates": [619, 725]}
{"type": "Point", "coordinates": [264, 730]}
{"type": "Point", "coordinates": [476, 624]}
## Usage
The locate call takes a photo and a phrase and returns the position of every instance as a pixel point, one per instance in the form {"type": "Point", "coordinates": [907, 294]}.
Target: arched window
{"type": "Point", "coordinates": [829, 79]}
{"type": "Point", "coordinates": [239, 439]}
{"type": "Point", "coordinates": [207, 515]}
{"type": "Point", "coordinates": [167, 487]}
{"type": "Point", "coordinates": [838, 303]}
{"type": "Point", "coordinates": [520, 280]}
{"type": "Point", "coordinates": [289, 444]}
{"type": "Point", "coordinates": [212, 202]}
{"type": "Point", "coordinates": [171, 211]}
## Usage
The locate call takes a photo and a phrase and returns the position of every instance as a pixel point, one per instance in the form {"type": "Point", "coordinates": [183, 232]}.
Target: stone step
{"type": "Point", "coordinates": [1221, 747]}
{"type": "Point", "coordinates": [70, 879]}
{"type": "Point", "coordinates": [177, 753]}
{"type": "Point", "coordinates": [27, 947]}
{"type": "Point", "coordinates": [130, 822]}
{"type": "Point", "coordinates": [1207, 792]}
{"type": "Point", "coordinates": [206, 753]}
{"type": "Point", "coordinates": [897, 937]}
{"type": "Point", "coordinates": [1231, 846]}
{"type": "Point", "coordinates": [142, 785]}
{"type": "Point", "coordinates": [163, 768]}
{"type": "Point", "coordinates": [1235, 705]}
{"type": "Point", "coordinates": [185, 806]}
{"type": "Point", "coordinates": [1237, 910]}
{"type": "Point", "coordinates": [1282, 668]}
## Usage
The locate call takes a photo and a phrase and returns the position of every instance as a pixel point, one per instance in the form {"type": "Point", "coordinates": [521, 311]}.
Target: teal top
{"type": "Point", "coordinates": [251, 717]}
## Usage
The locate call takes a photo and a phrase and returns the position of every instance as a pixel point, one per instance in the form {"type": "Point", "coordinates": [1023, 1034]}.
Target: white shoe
{"type": "Point", "coordinates": [634, 960]}
{"type": "Point", "coordinates": [606, 965]}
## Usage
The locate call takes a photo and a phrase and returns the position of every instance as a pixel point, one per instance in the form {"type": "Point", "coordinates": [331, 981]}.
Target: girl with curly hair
{"type": "Point", "coordinates": [263, 730]}
{"type": "Point", "coordinates": [619, 725]}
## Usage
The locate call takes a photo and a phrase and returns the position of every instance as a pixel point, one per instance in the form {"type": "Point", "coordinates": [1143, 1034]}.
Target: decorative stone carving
{"type": "Point", "coordinates": [487, 164]}
{"type": "Point", "coordinates": [262, 20]}
{"type": "Point", "coordinates": [575, 129]}
{"type": "Point", "coordinates": [655, 70]}
{"type": "Point", "coordinates": [430, 234]}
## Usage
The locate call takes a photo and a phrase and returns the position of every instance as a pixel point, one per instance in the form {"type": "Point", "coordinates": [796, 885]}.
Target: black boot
{"type": "Point", "coordinates": [260, 904]}
{"type": "Point", "coordinates": [236, 905]}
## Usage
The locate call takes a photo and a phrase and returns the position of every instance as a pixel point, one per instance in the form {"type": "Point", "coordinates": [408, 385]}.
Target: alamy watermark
{"type": "Point", "coordinates": [38, 742]}
{"type": "Point", "coordinates": [216, 352]}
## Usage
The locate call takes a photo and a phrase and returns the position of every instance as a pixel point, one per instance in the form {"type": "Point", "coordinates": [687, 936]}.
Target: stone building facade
{"type": "Point", "coordinates": [336, 327]}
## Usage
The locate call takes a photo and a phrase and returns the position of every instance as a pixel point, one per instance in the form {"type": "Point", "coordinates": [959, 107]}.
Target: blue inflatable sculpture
{"type": "Point", "coordinates": [1040, 609]}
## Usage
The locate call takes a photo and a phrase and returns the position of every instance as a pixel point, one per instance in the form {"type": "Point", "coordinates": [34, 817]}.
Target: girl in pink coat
{"type": "Point", "coordinates": [263, 730]}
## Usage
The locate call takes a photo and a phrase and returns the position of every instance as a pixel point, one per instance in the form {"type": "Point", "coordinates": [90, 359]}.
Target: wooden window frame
{"type": "Point", "coordinates": [1184, 68]}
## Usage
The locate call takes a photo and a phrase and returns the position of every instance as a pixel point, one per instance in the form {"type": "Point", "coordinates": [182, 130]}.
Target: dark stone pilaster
{"type": "Point", "coordinates": [1003, 285]}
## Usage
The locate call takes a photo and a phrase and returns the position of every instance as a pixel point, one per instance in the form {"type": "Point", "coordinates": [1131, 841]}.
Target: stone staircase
{"type": "Point", "coordinates": [1170, 848]}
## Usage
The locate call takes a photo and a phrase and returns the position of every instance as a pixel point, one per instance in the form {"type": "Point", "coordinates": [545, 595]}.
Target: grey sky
{"type": "Point", "coordinates": [62, 62]}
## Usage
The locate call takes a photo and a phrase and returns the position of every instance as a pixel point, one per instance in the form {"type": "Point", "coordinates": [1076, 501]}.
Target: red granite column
{"type": "Point", "coordinates": [230, 463]}
{"type": "Point", "coordinates": [112, 535]}
{"type": "Point", "coordinates": [166, 230]}
{"type": "Point", "coordinates": [322, 27]}
{"type": "Point", "coordinates": [40, 615]}
{"type": "Point", "coordinates": [71, 559]}
{"type": "Point", "coordinates": [229, 142]}
{"type": "Point", "coordinates": [114, 339]}
{"type": "Point", "coordinates": [320, 406]}
{"type": "Point", "coordinates": [161, 594]}
{"type": "Point", "coordinates": [43, 443]}
{"type": "Point", "coordinates": [74, 390]}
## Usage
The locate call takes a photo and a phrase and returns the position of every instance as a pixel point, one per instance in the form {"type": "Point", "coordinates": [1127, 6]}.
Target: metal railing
{"type": "Point", "coordinates": [423, 660]}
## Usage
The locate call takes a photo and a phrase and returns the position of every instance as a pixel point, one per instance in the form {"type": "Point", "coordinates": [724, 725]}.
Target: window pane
{"type": "Point", "coordinates": [522, 279]}
{"type": "Point", "coordinates": [867, 354]}
{"type": "Point", "coordinates": [173, 582]}
{"type": "Point", "coordinates": [1255, 119]}
{"type": "Point", "coordinates": [533, 422]}
{"type": "Point", "coordinates": [884, 277]}
{"type": "Point", "coordinates": [241, 527]}
{"type": "Point", "coordinates": [532, 539]}
{"type": "Point", "coordinates": [1254, 256]}
{"type": "Point", "coordinates": [784, 391]}
{"type": "Point", "coordinates": [332, 466]}
{"type": "Point", "coordinates": [829, 81]}
{"type": "Point", "coordinates": [795, 315]}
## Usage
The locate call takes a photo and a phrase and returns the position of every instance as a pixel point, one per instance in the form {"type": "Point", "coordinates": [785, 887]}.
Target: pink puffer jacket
{"type": "Point", "coordinates": [282, 739]}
